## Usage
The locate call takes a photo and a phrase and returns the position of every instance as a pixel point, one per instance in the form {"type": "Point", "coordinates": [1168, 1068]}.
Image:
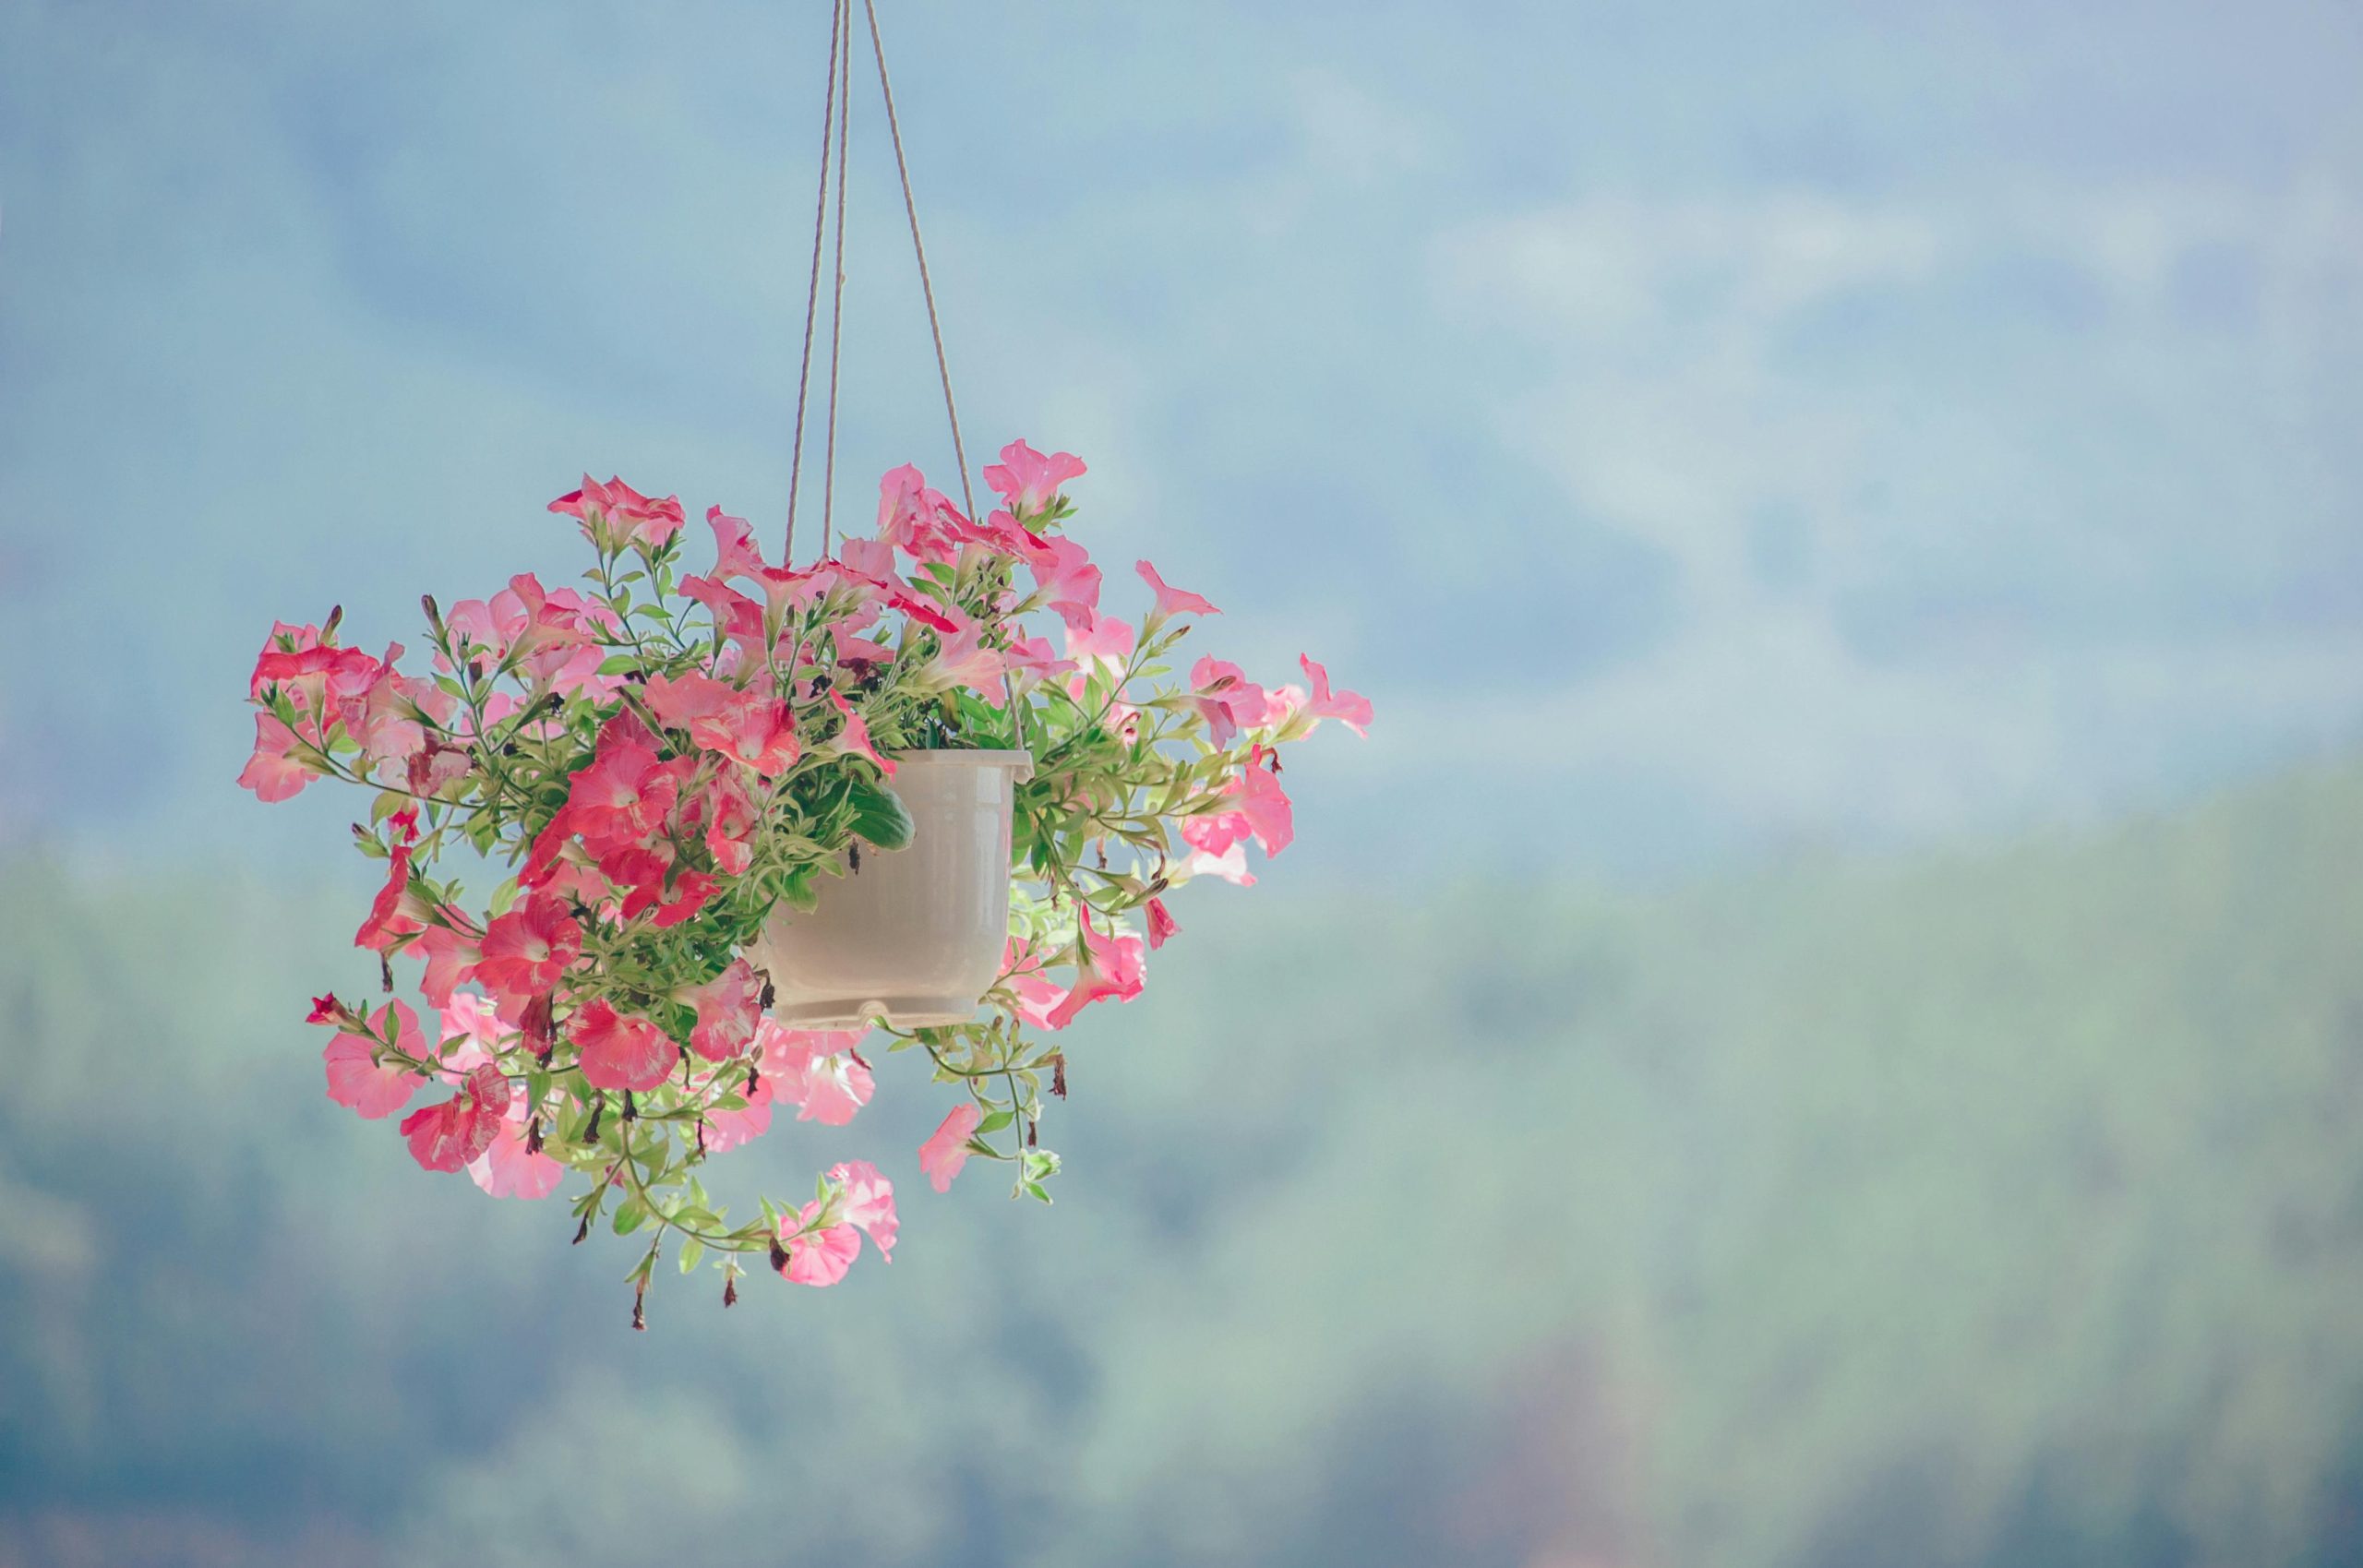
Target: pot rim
{"type": "Point", "coordinates": [979, 756]}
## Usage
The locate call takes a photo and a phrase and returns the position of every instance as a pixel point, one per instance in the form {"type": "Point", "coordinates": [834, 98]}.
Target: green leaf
{"type": "Point", "coordinates": [631, 1215]}
{"type": "Point", "coordinates": [995, 1122]}
{"type": "Point", "coordinates": [796, 890]}
{"type": "Point", "coordinates": [878, 816]}
{"type": "Point", "coordinates": [692, 1250]}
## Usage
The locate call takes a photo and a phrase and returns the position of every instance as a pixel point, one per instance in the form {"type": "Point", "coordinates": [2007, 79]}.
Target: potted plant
{"type": "Point", "coordinates": [728, 827]}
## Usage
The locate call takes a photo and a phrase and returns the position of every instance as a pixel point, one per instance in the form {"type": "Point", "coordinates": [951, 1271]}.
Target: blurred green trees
{"type": "Point", "coordinates": [2000, 1208]}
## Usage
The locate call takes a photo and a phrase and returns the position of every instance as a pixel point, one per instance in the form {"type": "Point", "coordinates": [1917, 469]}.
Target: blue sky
{"type": "Point", "coordinates": [1703, 430]}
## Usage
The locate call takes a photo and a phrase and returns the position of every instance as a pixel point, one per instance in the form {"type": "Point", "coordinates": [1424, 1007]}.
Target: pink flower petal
{"type": "Point", "coordinates": [1172, 601]}
{"type": "Point", "coordinates": [620, 1051]}
{"type": "Point", "coordinates": [868, 1203]}
{"type": "Point", "coordinates": [946, 1149]}
{"type": "Point", "coordinates": [821, 1257]}
{"type": "Point", "coordinates": [1350, 709]}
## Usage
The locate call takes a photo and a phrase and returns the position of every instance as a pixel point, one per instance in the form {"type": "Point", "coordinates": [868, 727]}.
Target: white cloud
{"type": "Point", "coordinates": [1672, 401]}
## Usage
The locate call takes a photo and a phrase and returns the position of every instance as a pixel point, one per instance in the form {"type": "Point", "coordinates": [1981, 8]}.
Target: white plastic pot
{"type": "Point", "coordinates": [916, 935]}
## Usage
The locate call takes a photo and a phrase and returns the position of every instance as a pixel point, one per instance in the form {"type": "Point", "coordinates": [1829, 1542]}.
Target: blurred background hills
{"type": "Point", "coordinates": [1821, 1029]}
{"type": "Point", "coordinates": [1995, 1207]}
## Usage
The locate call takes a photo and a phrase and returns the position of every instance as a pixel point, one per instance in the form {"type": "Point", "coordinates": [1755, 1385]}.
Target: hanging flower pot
{"type": "Point", "coordinates": [672, 846]}
{"type": "Point", "coordinates": [912, 936]}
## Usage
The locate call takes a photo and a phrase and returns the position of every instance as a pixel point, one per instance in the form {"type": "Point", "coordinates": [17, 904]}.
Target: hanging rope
{"type": "Point", "coordinates": [838, 19]}
{"type": "Point", "coordinates": [835, 122]}
{"type": "Point", "coordinates": [844, 28]}
{"type": "Point", "coordinates": [919, 248]}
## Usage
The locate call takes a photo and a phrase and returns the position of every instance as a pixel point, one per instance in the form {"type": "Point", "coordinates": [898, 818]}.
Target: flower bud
{"type": "Point", "coordinates": [540, 1034]}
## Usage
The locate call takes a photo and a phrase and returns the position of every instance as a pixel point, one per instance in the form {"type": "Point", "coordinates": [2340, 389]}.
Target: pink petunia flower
{"type": "Point", "coordinates": [358, 1079]}
{"type": "Point", "coordinates": [1028, 481]}
{"type": "Point", "coordinates": [1064, 573]}
{"type": "Point", "coordinates": [822, 1075]}
{"type": "Point", "coordinates": [734, 551]}
{"type": "Point", "coordinates": [1171, 601]}
{"type": "Point", "coordinates": [436, 767]}
{"type": "Point", "coordinates": [735, 616]}
{"type": "Point", "coordinates": [1107, 968]}
{"type": "Point", "coordinates": [1003, 534]}
{"type": "Point", "coordinates": [319, 680]}
{"type": "Point", "coordinates": [728, 813]}
{"type": "Point", "coordinates": [1110, 640]}
{"type": "Point", "coordinates": [963, 660]}
{"type": "Point", "coordinates": [1350, 709]}
{"type": "Point", "coordinates": [447, 1135]}
{"type": "Point", "coordinates": [449, 957]}
{"type": "Point", "coordinates": [1037, 998]}
{"type": "Point", "coordinates": [1226, 698]}
{"type": "Point", "coordinates": [1230, 865]}
{"type": "Point", "coordinates": [872, 558]}
{"type": "Point", "coordinates": [744, 726]}
{"type": "Point", "coordinates": [284, 638]}
{"type": "Point", "coordinates": [551, 635]}
{"type": "Point", "coordinates": [817, 1257]}
{"type": "Point", "coordinates": [862, 1204]}
{"type": "Point", "coordinates": [910, 515]}
{"type": "Point", "coordinates": [472, 1031]}
{"type": "Point", "coordinates": [273, 772]}
{"type": "Point", "coordinates": [614, 514]}
{"type": "Point", "coordinates": [728, 1006]}
{"type": "Point", "coordinates": [387, 718]}
{"type": "Point", "coordinates": [625, 792]}
{"type": "Point", "coordinates": [756, 730]}
{"type": "Point", "coordinates": [687, 896]}
{"type": "Point", "coordinates": [386, 921]}
{"type": "Point", "coordinates": [1261, 810]}
{"type": "Point", "coordinates": [620, 1050]}
{"type": "Point", "coordinates": [866, 1204]}
{"type": "Point", "coordinates": [946, 1149]}
{"type": "Point", "coordinates": [510, 1167]}
{"type": "Point", "coordinates": [526, 949]}
{"type": "Point", "coordinates": [854, 739]}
